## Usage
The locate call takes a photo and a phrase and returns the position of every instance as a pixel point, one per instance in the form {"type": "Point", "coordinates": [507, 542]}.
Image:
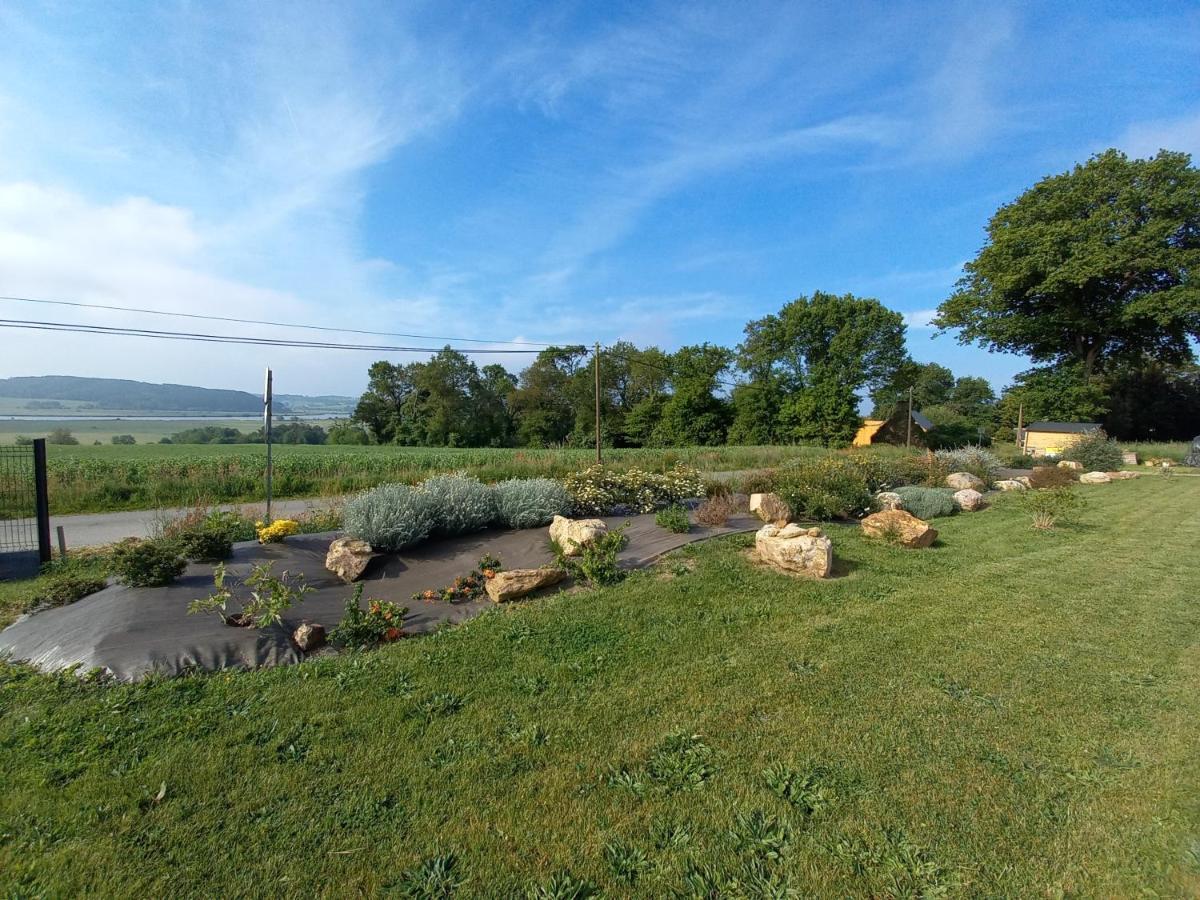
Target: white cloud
{"type": "Point", "coordinates": [1144, 139]}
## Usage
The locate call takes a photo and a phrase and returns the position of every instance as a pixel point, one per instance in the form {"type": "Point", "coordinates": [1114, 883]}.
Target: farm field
{"type": "Point", "coordinates": [1009, 713]}
{"type": "Point", "coordinates": [108, 478]}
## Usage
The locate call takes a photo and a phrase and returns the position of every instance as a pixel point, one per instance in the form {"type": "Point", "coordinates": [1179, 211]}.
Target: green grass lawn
{"type": "Point", "coordinates": [1008, 714]}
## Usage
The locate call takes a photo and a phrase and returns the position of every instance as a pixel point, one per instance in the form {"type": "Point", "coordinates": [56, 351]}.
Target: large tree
{"type": "Point", "coordinates": [829, 347]}
{"type": "Point", "coordinates": [1090, 268]}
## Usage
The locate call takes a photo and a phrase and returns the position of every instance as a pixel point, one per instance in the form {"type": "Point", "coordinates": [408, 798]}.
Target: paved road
{"type": "Point", "coordinates": [105, 528]}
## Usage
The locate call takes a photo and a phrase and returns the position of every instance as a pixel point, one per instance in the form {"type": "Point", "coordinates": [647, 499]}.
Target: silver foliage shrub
{"type": "Point", "coordinates": [530, 502]}
{"type": "Point", "coordinates": [462, 503]}
{"type": "Point", "coordinates": [391, 516]}
{"type": "Point", "coordinates": [974, 459]}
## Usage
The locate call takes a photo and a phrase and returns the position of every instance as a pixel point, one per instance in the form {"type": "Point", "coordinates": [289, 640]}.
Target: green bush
{"type": "Point", "coordinates": [927, 502]}
{"type": "Point", "coordinates": [596, 563]}
{"type": "Point", "coordinates": [830, 487]}
{"type": "Point", "coordinates": [1051, 506]}
{"type": "Point", "coordinates": [1050, 476]}
{"type": "Point", "coordinates": [147, 563]}
{"type": "Point", "coordinates": [597, 491]}
{"type": "Point", "coordinates": [391, 516]}
{"type": "Point", "coordinates": [673, 518]}
{"type": "Point", "coordinates": [69, 587]}
{"type": "Point", "coordinates": [462, 503]}
{"type": "Point", "coordinates": [530, 502]}
{"type": "Point", "coordinates": [1096, 452]}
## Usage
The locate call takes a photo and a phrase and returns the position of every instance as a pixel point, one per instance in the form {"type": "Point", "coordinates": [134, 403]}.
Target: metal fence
{"type": "Point", "coordinates": [24, 509]}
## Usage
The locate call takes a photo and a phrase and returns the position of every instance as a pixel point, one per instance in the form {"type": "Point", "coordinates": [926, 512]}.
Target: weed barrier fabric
{"type": "Point", "coordinates": [131, 633]}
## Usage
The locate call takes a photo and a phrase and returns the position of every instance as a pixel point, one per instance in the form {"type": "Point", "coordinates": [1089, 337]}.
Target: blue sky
{"type": "Point", "coordinates": [660, 173]}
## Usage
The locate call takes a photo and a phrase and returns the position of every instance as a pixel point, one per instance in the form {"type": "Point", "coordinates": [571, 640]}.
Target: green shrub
{"type": "Point", "coordinates": [1051, 506]}
{"type": "Point", "coordinates": [391, 516]}
{"type": "Point", "coordinates": [977, 460]}
{"type": "Point", "coordinates": [1096, 452]}
{"type": "Point", "coordinates": [530, 502]}
{"type": "Point", "coordinates": [147, 563]}
{"type": "Point", "coordinates": [1050, 476]}
{"type": "Point", "coordinates": [596, 563]}
{"type": "Point", "coordinates": [927, 502]}
{"type": "Point", "coordinates": [69, 587]}
{"type": "Point", "coordinates": [673, 518]}
{"type": "Point", "coordinates": [462, 503]}
{"type": "Point", "coordinates": [597, 491]}
{"type": "Point", "coordinates": [379, 622]}
{"type": "Point", "coordinates": [831, 487]}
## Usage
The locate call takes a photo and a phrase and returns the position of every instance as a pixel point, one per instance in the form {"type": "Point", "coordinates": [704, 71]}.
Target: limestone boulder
{"type": "Point", "coordinates": [1069, 464]}
{"type": "Point", "coordinates": [889, 500]}
{"type": "Point", "coordinates": [965, 481]}
{"type": "Point", "coordinates": [901, 526]}
{"type": "Point", "coordinates": [1095, 478]}
{"type": "Point", "coordinates": [969, 500]}
{"type": "Point", "coordinates": [512, 584]}
{"type": "Point", "coordinates": [1011, 484]}
{"type": "Point", "coordinates": [770, 508]}
{"type": "Point", "coordinates": [348, 557]}
{"type": "Point", "coordinates": [572, 535]}
{"type": "Point", "coordinates": [309, 636]}
{"type": "Point", "coordinates": [791, 548]}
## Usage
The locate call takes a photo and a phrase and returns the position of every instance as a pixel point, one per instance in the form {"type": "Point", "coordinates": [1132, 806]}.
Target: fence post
{"type": "Point", "coordinates": [42, 498]}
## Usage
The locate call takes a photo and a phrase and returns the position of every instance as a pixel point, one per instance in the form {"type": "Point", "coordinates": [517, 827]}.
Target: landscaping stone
{"type": "Point", "coordinates": [1095, 478]}
{"type": "Point", "coordinates": [969, 500]}
{"type": "Point", "coordinates": [904, 527]}
{"type": "Point", "coordinates": [1069, 464]}
{"type": "Point", "coordinates": [1011, 484]}
{"type": "Point", "coordinates": [512, 584]}
{"type": "Point", "coordinates": [889, 500]}
{"type": "Point", "coordinates": [770, 508]}
{"type": "Point", "coordinates": [965, 480]}
{"type": "Point", "coordinates": [791, 548]}
{"type": "Point", "coordinates": [309, 636]}
{"type": "Point", "coordinates": [575, 534]}
{"type": "Point", "coordinates": [348, 557]}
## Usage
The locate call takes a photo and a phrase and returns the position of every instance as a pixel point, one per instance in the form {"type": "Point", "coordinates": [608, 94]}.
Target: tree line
{"type": "Point", "coordinates": [1089, 273]}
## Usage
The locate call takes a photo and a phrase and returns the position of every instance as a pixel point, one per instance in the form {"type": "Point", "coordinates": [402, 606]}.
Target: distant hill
{"type": "Point", "coordinates": [42, 391]}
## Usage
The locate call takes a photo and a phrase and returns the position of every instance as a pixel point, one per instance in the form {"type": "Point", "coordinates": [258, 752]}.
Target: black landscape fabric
{"type": "Point", "coordinates": [130, 633]}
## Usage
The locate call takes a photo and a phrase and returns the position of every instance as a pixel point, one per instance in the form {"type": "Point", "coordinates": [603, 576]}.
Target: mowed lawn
{"type": "Point", "coordinates": [1009, 713]}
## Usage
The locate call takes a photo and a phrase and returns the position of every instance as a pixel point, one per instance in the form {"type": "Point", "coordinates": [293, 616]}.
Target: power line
{"type": "Point", "coordinates": [234, 339]}
{"type": "Point", "coordinates": [185, 315]}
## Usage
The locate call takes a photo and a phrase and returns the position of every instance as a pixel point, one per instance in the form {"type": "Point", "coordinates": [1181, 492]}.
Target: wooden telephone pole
{"type": "Point", "coordinates": [267, 438]}
{"type": "Point", "coordinates": [597, 372]}
{"type": "Point", "coordinates": [908, 438]}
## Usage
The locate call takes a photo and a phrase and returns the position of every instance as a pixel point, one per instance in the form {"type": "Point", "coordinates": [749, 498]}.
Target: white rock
{"type": "Point", "coordinates": [964, 480]}
{"type": "Point", "coordinates": [572, 535]}
{"type": "Point", "coordinates": [805, 551]}
{"type": "Point", "coordinates": [969, 500]}
{"type": "Point", "coordinates": [889, 500]}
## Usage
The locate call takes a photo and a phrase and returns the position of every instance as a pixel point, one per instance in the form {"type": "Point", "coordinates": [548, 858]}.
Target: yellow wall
{"type": "Point", "coordinates": [1039, 443]}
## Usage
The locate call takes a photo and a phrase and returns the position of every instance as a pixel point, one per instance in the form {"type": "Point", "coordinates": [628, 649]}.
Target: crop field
{"type": "Point", "coordinates": [105, 478]}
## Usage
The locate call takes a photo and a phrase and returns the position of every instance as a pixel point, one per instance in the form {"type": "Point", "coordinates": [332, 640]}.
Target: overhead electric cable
{"type": "Point", "coordinates": [235, 339]}
{"type": "Point", "coordinates": [186, 315]}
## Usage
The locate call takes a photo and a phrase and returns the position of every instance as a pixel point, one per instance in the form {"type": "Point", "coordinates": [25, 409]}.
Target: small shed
{"type": "Point", "coordinates": [894, 430]}
{"type": "Point", "coordinates": [1053, 438]}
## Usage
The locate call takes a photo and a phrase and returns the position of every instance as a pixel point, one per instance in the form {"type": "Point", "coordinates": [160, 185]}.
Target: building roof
{"type": "Point", "coordinates": [922, 420]}
{"type": "Point", "coordinates": [1062, 427]}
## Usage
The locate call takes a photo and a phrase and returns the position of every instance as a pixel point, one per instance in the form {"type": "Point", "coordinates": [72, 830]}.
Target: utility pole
{"type": "Point", "coordinates": [597, 370]}
{"type": "Point", "coordinates": [267, 438]}
{"type": "Point", "coordinates": [908, 439]}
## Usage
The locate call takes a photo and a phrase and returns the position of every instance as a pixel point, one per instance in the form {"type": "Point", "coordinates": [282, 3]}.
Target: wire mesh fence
{"type": "Point", "coordinates": [23, 529]}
